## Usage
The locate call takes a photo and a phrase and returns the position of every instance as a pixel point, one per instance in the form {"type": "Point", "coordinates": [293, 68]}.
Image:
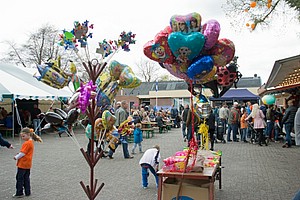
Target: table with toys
{"type": "Point", "coordinates": [195, 179]}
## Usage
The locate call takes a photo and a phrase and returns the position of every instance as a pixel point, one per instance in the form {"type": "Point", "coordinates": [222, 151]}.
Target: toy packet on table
{"type": "Point", "coordinates": [176, 163]}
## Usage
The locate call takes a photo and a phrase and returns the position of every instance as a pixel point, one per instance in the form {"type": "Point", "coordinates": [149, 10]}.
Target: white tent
{"type": "Point", "coordinates": [19, 83]}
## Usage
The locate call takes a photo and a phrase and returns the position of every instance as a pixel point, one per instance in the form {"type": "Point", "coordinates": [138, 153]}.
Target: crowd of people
{"type": "Point", "coordinates": [258, 123]}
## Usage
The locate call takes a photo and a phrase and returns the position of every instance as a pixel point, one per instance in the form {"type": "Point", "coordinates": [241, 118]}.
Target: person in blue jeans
{"type": "Point", "coordinates": [150, 161]}
{"type": "Point", "coordinates": [288, 120]}
{"type": "Point", "coordinates": [5, 143]}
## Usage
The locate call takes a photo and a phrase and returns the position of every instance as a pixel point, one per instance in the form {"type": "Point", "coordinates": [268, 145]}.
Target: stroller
{"type": "Point", "coordinates": [254, 134]}
{"type": "Point", "coordinates": [220, 132]}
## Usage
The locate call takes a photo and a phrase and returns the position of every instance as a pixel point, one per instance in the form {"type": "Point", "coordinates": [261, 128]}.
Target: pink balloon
{"type": "Point", "coordinates": [211, 31]}
{"type": "Point", "coordinates": [222, 52]}
{"type": "Point", "coordinates": [177, 70]}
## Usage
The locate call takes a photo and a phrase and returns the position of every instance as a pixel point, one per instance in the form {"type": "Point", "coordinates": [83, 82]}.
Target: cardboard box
{"type": "Point", "coordinates": [190, 189]}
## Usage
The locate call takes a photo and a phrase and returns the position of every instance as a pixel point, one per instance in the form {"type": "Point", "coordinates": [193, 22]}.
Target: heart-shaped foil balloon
{"type": "Point", "coordinates": [186, 23]}
{"type": "Point", "coordinates": [222, 52]}
{"type": "Point", "coordinates": [185, 47]}
{"type": "Point", "coordinates": [158, 49]}
{"type": "Point", "coordinates": [200, 67]}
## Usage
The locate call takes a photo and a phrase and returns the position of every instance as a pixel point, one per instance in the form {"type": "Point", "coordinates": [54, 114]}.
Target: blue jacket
{"type": "Point", "coordinates": [137, 135]}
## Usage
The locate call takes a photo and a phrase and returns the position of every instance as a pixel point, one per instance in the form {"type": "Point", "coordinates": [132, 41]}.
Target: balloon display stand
{"type": "Point", "coordinates": [94, 69]}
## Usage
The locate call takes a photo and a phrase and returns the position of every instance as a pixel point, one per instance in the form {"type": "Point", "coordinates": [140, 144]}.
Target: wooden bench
{"type": "Point", "coordinates": [8, 131]}
{"type": "Point", "coordinates": [147, 132]}
{"type": "Point", "coordinates": [162, 129]}
{"type": "Point", "coordinates": [169, 125]}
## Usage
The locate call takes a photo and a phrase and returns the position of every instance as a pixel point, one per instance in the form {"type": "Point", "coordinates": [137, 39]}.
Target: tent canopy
{"type": "Point", "coordinates": [19, 83]}
{"type": "Point", "coordinates": [237, 95]}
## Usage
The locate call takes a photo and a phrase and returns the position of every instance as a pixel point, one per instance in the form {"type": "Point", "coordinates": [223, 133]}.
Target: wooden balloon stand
{"type": "Point", "coordinates": [94, 69]}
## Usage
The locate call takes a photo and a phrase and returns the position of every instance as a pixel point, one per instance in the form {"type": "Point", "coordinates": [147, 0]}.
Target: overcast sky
{"type": "Point", "coordinates": [257, 51]}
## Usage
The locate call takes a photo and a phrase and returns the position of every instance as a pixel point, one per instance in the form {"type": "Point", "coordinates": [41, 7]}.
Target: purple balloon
{"type": "Point", "coordinates": [211, 31]}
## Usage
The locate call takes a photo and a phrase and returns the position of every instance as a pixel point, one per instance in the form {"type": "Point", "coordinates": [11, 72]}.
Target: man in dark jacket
{"type": "Point", "coordinates": [288, 120]}
{"type": "Point", "coordinates": [211, 129]}
{"type": "Point", "coordinates": [184, 115]}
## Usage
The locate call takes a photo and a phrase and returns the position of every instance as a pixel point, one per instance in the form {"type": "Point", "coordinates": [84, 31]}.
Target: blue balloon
{"type": "Point", "coordinates": [200, 67]}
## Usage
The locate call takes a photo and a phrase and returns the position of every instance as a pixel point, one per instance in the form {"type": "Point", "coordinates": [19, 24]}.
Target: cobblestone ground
{"type": "Point", "coordinates": [250, 172]}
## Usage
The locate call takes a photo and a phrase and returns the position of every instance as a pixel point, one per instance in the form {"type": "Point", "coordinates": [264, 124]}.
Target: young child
{"type": "Point", "coordinates": [24, 162]}
{"type": "Point", "coordinates": [244, 125]}
{"type": "Point", "coordinates": [150, 161]}
{"type": "Point", "coordinates": [137, 138]}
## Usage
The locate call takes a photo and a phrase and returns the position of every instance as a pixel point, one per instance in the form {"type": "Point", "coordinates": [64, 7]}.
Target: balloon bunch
{"type": "Point", "coordinates": [119, 76]}
{"type": "Point", "coordinates": [52, 74]}
{"type": "Point", "coordinates": [194, 52]}
{"type": "Point", "coordinates": [79, 34]}
{"type": "Point", "coordinates": [112, 46]}
{"type": "Point", "coordinates": [60, 121]}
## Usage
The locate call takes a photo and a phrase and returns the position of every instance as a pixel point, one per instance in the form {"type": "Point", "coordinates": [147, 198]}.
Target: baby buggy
{"type": "Point", "coordinates": [254, 134]}
{"type": "Point", "coordinates": [220, 131]}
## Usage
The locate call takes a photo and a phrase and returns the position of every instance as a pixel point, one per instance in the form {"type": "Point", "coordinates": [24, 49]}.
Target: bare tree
{"type": "Point", "coordinates": [148, 70]}
{"type": "Point", "coordinates": [167, 77]}
{"type": "Point", "coordinates": [39, 48]}
{"type": "Point", "coordinates": [261, 12]}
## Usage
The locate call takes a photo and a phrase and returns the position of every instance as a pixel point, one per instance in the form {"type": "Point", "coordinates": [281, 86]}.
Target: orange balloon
{"type": "Point", "coordinates": [247, 24]}
{"type": "Point", "coordinates": [253, 26]}
{"type": "Point", "coordinates": [252, 4]}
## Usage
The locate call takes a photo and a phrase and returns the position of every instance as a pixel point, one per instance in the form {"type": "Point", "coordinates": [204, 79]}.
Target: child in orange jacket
{"type": "Point", "coordinates": [24, 162]}
{"type": "Point", "coordinates": [244, 125]}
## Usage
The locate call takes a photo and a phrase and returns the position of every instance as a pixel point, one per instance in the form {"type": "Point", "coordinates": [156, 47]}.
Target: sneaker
{"type": "Point", "coordinates": [18, 196]}
{"type": "Point", "coordinates": [130, 157]}
{"type": "Point", "coordinates": [285, 146]}
{"type": "Point", "coordinates": [145, 187]}
{"type": "Point", "coordinates": [110, 157]}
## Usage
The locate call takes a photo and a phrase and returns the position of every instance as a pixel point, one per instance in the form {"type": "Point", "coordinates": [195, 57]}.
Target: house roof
{"type": "Point", "coordinates": [145, 87]}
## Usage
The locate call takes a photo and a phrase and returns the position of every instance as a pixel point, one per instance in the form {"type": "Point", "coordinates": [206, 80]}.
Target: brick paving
{"type": "Point", "coordinates": [250, 172]}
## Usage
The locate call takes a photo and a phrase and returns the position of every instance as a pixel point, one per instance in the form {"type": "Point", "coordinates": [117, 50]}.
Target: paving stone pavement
{"type": "Point", "coordinates": [250, 172]}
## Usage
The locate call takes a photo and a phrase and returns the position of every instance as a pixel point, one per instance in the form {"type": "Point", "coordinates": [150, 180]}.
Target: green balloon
{"type": "Point", "coordinates": [68, 35]}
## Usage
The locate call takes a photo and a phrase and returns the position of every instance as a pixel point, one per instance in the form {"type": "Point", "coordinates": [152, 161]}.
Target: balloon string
{"type": "Point", "coordinates": [192, 141]}
{"type": "Point", "coordinates": [39, 125]}
{"type": "Point", "coordinates": [87, 54]}
{"type": "Point", "coordinates": [76, 52]}
{"type": "Point", "coordinates": [73, 137]}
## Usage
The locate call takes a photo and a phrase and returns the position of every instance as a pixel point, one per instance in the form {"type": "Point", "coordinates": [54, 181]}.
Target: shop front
{"type": "Point", "coordinates": [284, 81]}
